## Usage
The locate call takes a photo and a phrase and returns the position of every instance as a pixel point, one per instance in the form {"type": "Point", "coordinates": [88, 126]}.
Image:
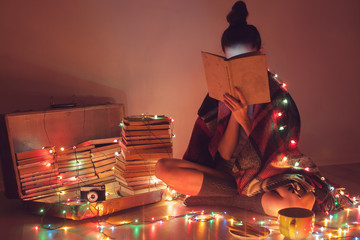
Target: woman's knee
{"type": "Point", "coordinates": [162, 168]}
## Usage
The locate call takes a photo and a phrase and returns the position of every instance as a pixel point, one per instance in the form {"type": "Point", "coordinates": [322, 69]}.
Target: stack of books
{"type": "Point", "coordinates": [51, 170]}
{"type": "Point", "coordinates": [43, 170]}
{"type": "Point", "coordinates": [146, 139]}
{"type": "Point", "coordinates": [74, 165]}
{"type": "Point", "coordinates": [36, 171]}
{"type": "Point", "coordinates": [103, 155]}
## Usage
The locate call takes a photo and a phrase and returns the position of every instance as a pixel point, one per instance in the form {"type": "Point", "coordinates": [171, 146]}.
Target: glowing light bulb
{"type": "Point", "coordinates": [51, 151]}
{"type": "Point", "coordinates": [307, 169]}
{"type": "Point", "coordinates": [156, 116]}
{"type": "Point", "coordinates": [115, 140]}
{"type": "Point", "coordinates": [285, 158]}
{"type": "Point", "coordinates": [36, 227]}
{"type": "Point", "coordinates": [152, 219]}
{"type": "Point", "coordinates": [322, 178]}
{"type": "Point", "coordinates": [62, 149]}
{"type": "Point", "coordinates": [42, 210]}
{"type": "Point", "coordinates": [173, 135]}
{"type": "Point", "coordinates": [281, 128]}
{"type": "Point", "coordinates": [117, 154]}
{"type": "Point", "coordinates": [279, 114]}
{"type": "Point", "coordinates": [172, 120]}
{"type": "Point", "coordinates": [65, 228]}
{"type": "Point", "coordinates": [64, 212]}
{"type": "Point", "coordinates": [285, 101]}
{"type": "Point", "coordinates": [293, 143]}
{"type": "Point", "coordinates": [297, 164]}
{"type": "Point", "coordinates": [275, 75]}
{"type": "Point", "coordinates": [284, 85]}
{"type": "Point", "coordinates": [48, 164]}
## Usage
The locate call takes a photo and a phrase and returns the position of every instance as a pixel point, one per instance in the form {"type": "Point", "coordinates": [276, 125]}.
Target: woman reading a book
{"type": "Point", "coordinates": [246, 155]}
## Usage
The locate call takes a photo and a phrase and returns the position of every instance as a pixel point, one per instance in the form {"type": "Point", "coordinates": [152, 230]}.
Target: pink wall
{"type": "Point", "coordinates": [146, 54]}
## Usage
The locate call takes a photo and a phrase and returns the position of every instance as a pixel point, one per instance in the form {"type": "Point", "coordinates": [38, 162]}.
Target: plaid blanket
{"type": "Point", "coordinates": [270, 158]}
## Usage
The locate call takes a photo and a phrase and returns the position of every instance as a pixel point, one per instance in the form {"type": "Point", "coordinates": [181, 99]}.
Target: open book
{"type": "Point", "coordinates": [246, 71]}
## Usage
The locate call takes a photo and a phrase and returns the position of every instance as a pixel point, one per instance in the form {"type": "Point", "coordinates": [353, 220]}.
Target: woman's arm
{"type": "Point", "coordinates": [239, 116]}
{"type": "Point", "coordinates": [229, 139]}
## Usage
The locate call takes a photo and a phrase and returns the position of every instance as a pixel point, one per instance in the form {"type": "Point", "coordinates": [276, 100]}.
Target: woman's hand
{"type": "Point", "coordinates": [239, 110]}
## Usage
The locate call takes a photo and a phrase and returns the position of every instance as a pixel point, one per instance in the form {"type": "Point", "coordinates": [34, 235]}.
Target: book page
{"type": "Point", "coordinates": [216, 75]}
{"type": "Point", "coordinates": [250, 75]}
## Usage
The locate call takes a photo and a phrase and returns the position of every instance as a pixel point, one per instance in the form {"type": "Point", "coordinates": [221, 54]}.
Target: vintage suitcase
{"type": "Point", "coordinates": [26, 131]}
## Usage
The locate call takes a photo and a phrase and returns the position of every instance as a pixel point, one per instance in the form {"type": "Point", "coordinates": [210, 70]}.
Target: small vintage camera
{"type": "Point", "coordinates": [93, 193]}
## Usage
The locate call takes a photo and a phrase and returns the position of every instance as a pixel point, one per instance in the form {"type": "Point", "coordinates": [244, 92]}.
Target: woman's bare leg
{"type": "Point", "coordinates": [184, 176]}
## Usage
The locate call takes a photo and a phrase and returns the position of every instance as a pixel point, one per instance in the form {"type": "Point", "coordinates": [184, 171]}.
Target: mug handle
{"type": "Point", "coordinates": [292, 227]}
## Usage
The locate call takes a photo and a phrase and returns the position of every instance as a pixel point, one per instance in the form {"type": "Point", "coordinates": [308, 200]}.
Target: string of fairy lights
{"type": "Point", "coordinates": [54, 150]}
{"type": "Point", "coordinates": [323, 229]}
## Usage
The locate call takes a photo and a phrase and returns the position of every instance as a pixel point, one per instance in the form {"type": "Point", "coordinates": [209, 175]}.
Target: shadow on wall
{"type": "Point", "coordinates": [27, 87]}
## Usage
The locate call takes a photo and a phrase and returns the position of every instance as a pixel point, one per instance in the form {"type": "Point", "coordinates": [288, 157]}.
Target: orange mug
{"type": "Point", "coordinates": [296, 223]}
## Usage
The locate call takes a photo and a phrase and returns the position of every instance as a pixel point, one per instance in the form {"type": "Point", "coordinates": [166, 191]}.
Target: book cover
{"type": "Point", "coordinates": [246, 71]}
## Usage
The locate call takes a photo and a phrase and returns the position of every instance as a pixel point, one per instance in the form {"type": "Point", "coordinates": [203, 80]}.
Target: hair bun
{"type": "Point", "coordinates": [238, 14]}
